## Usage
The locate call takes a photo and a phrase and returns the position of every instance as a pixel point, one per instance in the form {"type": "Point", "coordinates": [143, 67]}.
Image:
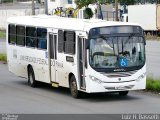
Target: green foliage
{"type": "Point", "coordinates": [105, 1]}
{"type": "Point", "coordinates": [85, 3]}
{"type": "Point", "coordinates": [148, 1]}
{"type": "Point", "coordinates": [88, 13]}
{"type": "Point", "coordinates": [153, 85]}
{"type": "Point", "coordinates": [7, 1]}
{"type": "Point", "coordinates": [2, 34]}
{"type": "Point", "coordinates": [3, 57]}
{"type": "Point", "coordinates": [127, 2]}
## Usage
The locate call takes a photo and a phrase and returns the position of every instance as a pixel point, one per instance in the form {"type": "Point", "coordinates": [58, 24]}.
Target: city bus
{"type": "Point", "coordinates": [86, 56]}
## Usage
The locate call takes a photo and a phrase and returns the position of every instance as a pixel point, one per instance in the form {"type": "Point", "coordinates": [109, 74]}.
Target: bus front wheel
{"type": "Point", "coordinates": [73, 88]}
{"type": "Point", "coordinates": [123, 93]}
{"type": "Point", "coordinates": [31, 77]}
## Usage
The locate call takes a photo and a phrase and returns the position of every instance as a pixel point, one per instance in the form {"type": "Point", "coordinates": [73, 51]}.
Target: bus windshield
{"type": "Point", "coordinates": [117, 52]}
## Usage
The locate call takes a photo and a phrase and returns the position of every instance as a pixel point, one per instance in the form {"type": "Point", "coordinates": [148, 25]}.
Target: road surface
{"type": "Point", "coordinates": [153, 58]}
{"type": "Point", "coordinates": [17, 97]}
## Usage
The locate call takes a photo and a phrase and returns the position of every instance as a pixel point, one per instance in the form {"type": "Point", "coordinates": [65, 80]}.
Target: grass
{"type": "Point", "coordinates": [7, 1]}
{"type": "Point", "coordinates": [3, 57]}
{"type": "Point", "coordinates": [150, 37]}
{"type": "Point", "coordinates": [153, 85]}
{"type": "Point", "coordinates": [2, 34]}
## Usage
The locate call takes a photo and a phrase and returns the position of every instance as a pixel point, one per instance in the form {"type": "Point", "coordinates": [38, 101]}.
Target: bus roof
{"type": "Point", "coordinates": [63, 23]}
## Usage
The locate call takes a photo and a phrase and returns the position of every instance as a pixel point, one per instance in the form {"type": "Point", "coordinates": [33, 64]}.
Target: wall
{"type": "Point", "coordinates": [6, 13]}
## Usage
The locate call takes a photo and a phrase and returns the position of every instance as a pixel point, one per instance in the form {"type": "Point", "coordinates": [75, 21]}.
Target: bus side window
{"type": "Point", "coordinates": [31, 36]}
{"type": "Point", "coordinates": [42, 38]}
{"type": "Point", "coordinates": [20, 36]}
{"type": "Point", "coordinates": [69, 42]}
{"type": "Point", "coordinates": [11, 34]}
{"type": "Point", "coordinates": [60, 41]}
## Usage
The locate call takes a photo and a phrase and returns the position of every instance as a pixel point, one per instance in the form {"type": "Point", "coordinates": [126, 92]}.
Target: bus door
{"type": "Point", "coordinates": [52, 56]}
{"type": "Point", "coordinates": [81, 62]}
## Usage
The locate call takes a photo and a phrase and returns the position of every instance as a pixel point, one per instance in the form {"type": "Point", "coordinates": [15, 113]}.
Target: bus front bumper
{"type": "Point", "coordinates": [113, 87]}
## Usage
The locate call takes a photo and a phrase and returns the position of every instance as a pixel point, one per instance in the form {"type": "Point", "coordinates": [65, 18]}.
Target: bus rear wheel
{"type": "Point", "coordinates": [31, 77]}
{"type": "Point", "coordinates": [73, 88]}
{"type": "Point", "coordinates": [123, 93]}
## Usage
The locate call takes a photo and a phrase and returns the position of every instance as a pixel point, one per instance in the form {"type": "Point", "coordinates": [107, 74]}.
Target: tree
{"type": "Point", "coordinates": [88, 13]}
{"type": "Point", "coordinates": [127, 2]}
{"type": "Point", "coordinates": [85, 3]}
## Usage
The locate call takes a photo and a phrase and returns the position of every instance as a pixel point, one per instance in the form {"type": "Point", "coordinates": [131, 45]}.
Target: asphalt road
{"type": "Point", "coordinates": [153, 58]}
{"type": "Point", "coordinates": [17, 97]}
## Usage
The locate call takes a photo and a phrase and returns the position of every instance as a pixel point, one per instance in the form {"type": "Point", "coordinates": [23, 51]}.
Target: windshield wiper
{"type": "Point", "coordinates": [103, 37]}
{"type": "Point", "coordinates": [131, 35]}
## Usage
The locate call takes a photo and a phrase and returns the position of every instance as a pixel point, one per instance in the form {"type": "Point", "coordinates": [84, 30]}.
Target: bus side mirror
{"type": "Point", "coordinates": [144, 40]}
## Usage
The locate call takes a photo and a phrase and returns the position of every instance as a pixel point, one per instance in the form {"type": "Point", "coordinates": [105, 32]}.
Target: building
{"type": "Point", "coordinates": [53, 4]}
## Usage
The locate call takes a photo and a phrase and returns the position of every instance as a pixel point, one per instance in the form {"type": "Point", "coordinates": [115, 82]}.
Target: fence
{"type": "Point", "coordinates": [110, 15]}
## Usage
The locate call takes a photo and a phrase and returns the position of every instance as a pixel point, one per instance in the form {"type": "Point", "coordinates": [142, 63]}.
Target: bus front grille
{"type": "Point", "coordinates": [119, 74]}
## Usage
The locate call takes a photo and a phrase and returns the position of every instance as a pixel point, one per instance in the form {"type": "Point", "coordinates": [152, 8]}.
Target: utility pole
{"type": "Point", "coordinates": [46, 6]}
{"type": "Point", "coordinates": [116, 9]}
{"type": "Point", "coordinates": [33, 8]}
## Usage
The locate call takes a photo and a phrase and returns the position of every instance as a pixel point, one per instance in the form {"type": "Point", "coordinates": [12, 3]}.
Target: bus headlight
{"type": "Point", "coordinates": [95, 79]}
{"type": "Point", "coordinates": [141, 77]}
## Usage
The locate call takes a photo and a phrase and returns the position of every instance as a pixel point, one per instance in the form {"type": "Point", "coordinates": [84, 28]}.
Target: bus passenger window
{"type": "Point", "coordinates": [20, 36]}
{"type": "Point", "coordinates": [31, 36]}
{"type": "Point", "coordinates": [42, 38]}
{"type": "Point", "coordinates": [12, 34]}
{"type": "Point", "coordinates": [60, 41]}
{"type": "Point", "coordinates": [69, 43]}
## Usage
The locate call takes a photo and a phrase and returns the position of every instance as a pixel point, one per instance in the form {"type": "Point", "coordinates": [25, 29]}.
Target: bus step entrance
{"type": "Point", "coordinates": [83, 88]}
{"type": "Point", "coordinates": [55, 84]}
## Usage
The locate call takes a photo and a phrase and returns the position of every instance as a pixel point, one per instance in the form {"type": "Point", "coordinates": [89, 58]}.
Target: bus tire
{"type": "Point", "coordinates": [73, 87]}
{"type": "Point", "coordinates": [123, 93]}
{"type": "Point", "coordinates": [31, 77]}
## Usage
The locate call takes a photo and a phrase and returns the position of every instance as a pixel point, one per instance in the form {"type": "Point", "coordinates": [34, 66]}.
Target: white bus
{"type": "Point", "coordinates": [89, 56]}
